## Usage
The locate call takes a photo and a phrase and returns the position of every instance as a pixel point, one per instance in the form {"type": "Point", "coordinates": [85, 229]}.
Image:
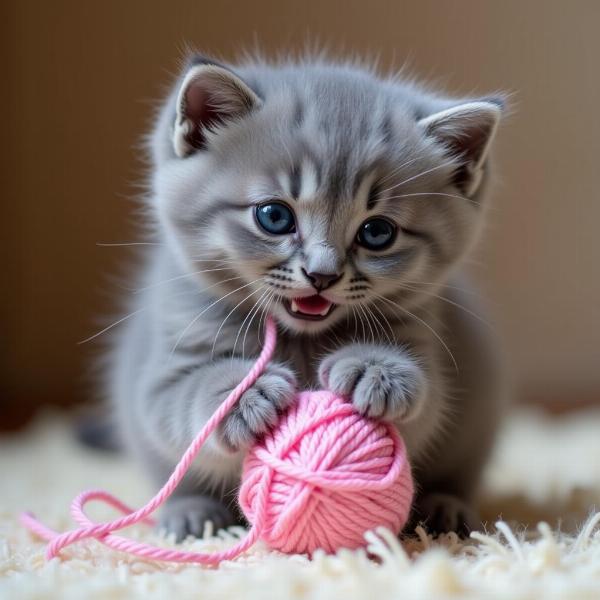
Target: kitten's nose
{"type": "Point", "coordinates": [321, 281]}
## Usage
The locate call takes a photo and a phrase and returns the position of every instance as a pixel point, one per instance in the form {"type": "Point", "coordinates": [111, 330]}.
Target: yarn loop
{"type": "Point", "coordinates": [321, 479]}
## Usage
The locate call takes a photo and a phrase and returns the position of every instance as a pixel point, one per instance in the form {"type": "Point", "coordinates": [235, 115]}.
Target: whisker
{"type": "Point", "coordinates": [244, 321]}
{"type": "Point", "coordinates": [380, 326]}
{"type": "Point", "coordinates": [452, 303]}
{"type": "Point", "coordinates": [333, 343]}
{"type": "Point", "coordinates": [416, 284]}
{"type": "Point", "coordinates": [389, 339]}
{"type": "Point", "coordinates": [225, 261]}
{"type": "Point", "coordinates": [208, 287]}
{"type": "Point", "coordinates": [361, 308]}
{"type": "Point", "coordinates": [426, 172]}
{"type": "Point", "coordinates": [444, 285]}
{"type": "Point", "coordinates": [259, 309]}
{"type": "Point", "coordinates": [195, 319]}
{"type": "Point", "coordinates": [212, 352]}
{"type": "Point", "coordinates": [116, 244]}
{"type": "Point", "coordinates": [250, 325]}
{"type": "Point", "coordinates": [362, 324]}
{"type": "Point", "coordinates": [458, 197]}
{"type": "Point", "coordinates": [416, 194]}
{"type": "Point", "coordinates": [91, 337]}
{"type": "Point", "coordinates": [404, 310]}
{"type": "Point", "coordinates": [377, 322]}
{"type": "Point", "coordinates": [402, 166]}
{"type": "Point", "coordinates": [369, 316]}
{"type": "Point", "coordinates": [388, 324]}
{"type": "Point", "coordinates": [265, 312]}
{"type": "Point", "coordinates": [355, 336]}
{"type": "Point", "coordinates": [159, 283]}
{"type": "Point", "coordinates": [135, 312]}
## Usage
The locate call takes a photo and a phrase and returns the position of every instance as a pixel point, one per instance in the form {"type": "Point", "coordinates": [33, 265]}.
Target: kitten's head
{"type": "Point", "coordinates": [319, 190]}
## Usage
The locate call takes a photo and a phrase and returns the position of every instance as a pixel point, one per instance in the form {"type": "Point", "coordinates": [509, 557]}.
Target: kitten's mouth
{"type": "Point", "coordinates": [310, 308]}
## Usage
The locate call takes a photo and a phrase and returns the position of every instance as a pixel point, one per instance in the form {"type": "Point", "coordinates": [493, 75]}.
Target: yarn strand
{"type": "Point", "coordinates": [103, 532]}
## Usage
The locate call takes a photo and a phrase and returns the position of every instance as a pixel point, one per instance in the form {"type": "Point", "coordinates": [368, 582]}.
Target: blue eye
{"type": "Point", "coordinates": [276, 218]}
{"type": "Point", "coordinates": [376, 234]}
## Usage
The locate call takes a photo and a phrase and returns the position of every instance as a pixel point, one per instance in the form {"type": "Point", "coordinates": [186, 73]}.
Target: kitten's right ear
{"type": "Point", "coordinates": [209, 96]}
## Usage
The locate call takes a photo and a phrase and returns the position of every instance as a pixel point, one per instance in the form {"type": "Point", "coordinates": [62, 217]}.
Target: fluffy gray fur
{"type": "Point", "coordinates": [338, 144]}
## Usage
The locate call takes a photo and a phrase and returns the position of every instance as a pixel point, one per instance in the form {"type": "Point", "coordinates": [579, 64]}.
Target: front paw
{"type": "Point", "coordinates": [258, 409]}
{"type": "Point", "coordinates": [442, 513]}
{"type": "Point", "coordinates": [381, 382]}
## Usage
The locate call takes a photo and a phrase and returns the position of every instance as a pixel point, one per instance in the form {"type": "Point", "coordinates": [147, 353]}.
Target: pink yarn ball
{"type": "Point", "coordinates": [329, 475]}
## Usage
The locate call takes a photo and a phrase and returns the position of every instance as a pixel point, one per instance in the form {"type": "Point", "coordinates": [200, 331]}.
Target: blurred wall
{"type": "Point", "coordinates": [79, 81]}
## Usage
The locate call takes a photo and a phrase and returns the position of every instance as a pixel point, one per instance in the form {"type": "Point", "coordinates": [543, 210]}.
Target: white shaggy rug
{"type": "Point", "coordinates": [545, 471]}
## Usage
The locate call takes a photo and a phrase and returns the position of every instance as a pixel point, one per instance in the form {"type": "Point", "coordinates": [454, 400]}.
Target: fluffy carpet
{"type": "Point", "coordinates": [542, 483]}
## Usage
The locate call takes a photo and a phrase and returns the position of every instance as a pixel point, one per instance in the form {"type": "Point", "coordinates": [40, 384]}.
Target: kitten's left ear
{"type": "Point", "coordinates": [467, 130]}
{"type": "Point", "coordinates": [209, 95]}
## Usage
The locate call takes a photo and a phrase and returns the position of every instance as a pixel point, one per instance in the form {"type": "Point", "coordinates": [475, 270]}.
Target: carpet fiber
{"type": "Point", "coordinates": [543, 484]}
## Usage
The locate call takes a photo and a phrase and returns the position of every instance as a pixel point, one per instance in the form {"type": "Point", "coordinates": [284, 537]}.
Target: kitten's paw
{"type": "Point", "coordinates": [186, 515]}
{"type": "Point", "coordinates": [259, 408]}
{"type": "Point", "coordinates": [382, 382]}
{"type": "Point", "coordinates": [441, 513]}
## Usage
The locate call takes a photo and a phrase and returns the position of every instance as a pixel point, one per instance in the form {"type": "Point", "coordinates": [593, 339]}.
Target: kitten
{"type": "Point", "coordinates": [343, 204]}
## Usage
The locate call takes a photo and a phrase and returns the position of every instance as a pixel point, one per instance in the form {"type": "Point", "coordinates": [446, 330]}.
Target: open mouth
{"type": "Point", "coordinates": [310, 308]}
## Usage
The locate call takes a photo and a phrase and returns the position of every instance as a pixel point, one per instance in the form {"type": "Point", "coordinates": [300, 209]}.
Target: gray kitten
{"type": "Point", "coordinates": [343, 204]}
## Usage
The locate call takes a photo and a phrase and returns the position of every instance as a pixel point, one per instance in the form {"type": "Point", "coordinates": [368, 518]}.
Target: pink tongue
{"type": "Point", "coordinates": [313, 305]}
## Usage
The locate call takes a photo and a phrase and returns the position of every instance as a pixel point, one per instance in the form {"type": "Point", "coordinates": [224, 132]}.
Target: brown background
{"type": "Point", "coordinates": [79, 78]}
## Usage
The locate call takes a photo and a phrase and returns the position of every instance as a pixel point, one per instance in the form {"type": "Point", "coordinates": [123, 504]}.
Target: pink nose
{"type": "Point", "coordinates": [322, 281]}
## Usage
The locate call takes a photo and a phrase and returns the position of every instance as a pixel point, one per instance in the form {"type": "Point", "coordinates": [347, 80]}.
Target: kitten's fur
{"type": "Point", "coordinates": [339, 145]}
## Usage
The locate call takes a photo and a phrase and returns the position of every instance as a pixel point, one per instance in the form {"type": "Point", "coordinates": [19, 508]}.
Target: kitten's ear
{"type": "Point", "coordinates": [467, 130]}
{"type": "Point", "coordinates": [209, 96]}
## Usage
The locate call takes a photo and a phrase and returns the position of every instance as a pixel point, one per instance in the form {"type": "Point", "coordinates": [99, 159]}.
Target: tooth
{"type": "Point", "coordinates": [324, 312]}
{"type": "Point", "coordinates": [294, 306]}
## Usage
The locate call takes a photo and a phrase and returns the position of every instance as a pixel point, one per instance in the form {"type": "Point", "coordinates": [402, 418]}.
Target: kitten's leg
{"type": "Point", "coordinates": [171, 408]}
{"type": "Point", "coordinates": [440, 512]}
{"type": "Point", "coordinates": [447, 482]}
{"type": "Point", "coordinates": [449, 473]}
